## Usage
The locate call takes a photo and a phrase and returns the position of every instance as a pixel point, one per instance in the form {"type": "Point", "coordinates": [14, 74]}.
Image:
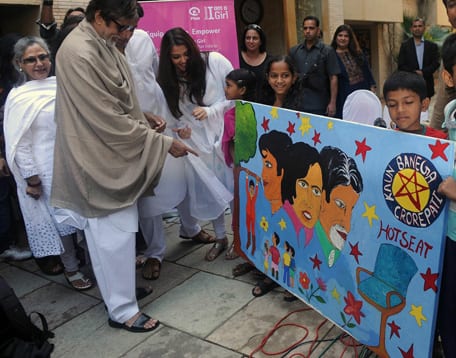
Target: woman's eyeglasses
{"type": "Point", "coordinates": [34, 59]}
{"type": "Point", "coordinates": [122, 28]}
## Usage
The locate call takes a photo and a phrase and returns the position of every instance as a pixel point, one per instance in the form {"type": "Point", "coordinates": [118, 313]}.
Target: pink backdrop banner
{"type": "Point", "coordinates": [211, 23]}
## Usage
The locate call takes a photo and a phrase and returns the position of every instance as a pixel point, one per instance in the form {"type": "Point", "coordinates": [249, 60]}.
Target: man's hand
{"type": "Point", "coordinates": [156, 122]}
{"type": "Point", "coordinates": [331, 109]}
{"type": "Point", "coordinates": [179, 149]}
{"type": "Point", "coordinates": [4, 171]}
{"type": "Point", "coordinates": [199, 113]}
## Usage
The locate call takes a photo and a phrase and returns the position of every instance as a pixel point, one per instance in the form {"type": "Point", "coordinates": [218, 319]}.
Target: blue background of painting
{"type": "Point", "coordinates": [386, 145]}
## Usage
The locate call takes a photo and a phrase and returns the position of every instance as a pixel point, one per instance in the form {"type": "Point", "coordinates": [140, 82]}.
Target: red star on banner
{"type": "Point", "coordinates": [394, 329]}
{"type": "Point", "coordinates": [316, 138]}
{"type": "Point", "coordinates": [316, 262]}
{"type": "Point", "coordinates": [438, 150]}
{"type": "Point", "coordinates": [362, 148]}
{"type": "Point", "coordinates": [291, 128]}
{"type": "Point", "coordinates": [408, 354]}
{"type": "Point", "coordinates": [265, 124]}
{"type": "Point", "coordinates": [430, 280]}
{"type": "Point", "coordinates": [355, 252]}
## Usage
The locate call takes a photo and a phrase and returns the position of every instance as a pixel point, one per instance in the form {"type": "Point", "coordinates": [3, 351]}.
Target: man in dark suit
{"type": "Point", "coordinates": [419, 55]}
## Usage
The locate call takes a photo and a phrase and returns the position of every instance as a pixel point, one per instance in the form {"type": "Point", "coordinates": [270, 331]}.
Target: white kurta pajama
{"type": "Point", "coordinates": [109, 158]}
{"type": "Point", "coordinates": [29, 128]}
{"type": "Point", "coordinates": [208, 181]}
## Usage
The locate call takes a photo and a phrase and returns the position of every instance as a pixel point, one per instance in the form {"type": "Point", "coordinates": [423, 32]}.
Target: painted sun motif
{"type": "Point", "coordinates": [411, 190]}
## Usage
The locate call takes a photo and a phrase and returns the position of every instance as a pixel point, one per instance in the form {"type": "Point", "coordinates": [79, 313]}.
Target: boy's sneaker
{"type": "Point", "coordinates": [15, 254]}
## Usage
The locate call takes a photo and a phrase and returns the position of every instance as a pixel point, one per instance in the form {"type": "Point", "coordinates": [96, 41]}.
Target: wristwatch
{"type": "Point", "coordinates": [46, 26]}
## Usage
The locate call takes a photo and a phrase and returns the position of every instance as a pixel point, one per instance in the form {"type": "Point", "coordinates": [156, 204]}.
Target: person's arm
{"type": "Point", "coordinates": [448, 188]}
{"type": "Point", "coordinates": [333, 86]}
{"type": "Point", "coordinates": [434, 60]}
{"type": "Point", "coordinates": [48, 26]}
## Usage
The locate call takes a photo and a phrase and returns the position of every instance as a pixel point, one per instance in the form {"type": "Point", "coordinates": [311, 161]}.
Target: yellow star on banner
{"type": "Point", "coordinates": [335, 294]}
{"type": "Point", "coordinates": [264, 223]}
{"type": "Point", "coordinates": [274, 112]}
{"type": "Point", "coordinates": [370, 213]}
{"type": "Point", "coordinates": [282, 224]}
{"type": "Point", "coordinates": [330, 125]}
{"type": "Point", "coordinates": [305, 125]}
{"type": "Point", "coordinates": [417, 312]}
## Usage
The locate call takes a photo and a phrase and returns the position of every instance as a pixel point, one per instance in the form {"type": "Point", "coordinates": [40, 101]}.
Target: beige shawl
{"type": "Point", "coordinates": [106, 155]}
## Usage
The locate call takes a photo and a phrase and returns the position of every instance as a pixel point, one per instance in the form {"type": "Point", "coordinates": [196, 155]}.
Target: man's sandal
{"type": "Point", "coordinates": [231, 254]}
{"type": "Point", "coordinates": [151, 269]}
{"type": "Point", "coordinates": [137, 326]}
{"type": "Point", "coordinates": [78, 281]}
{"type": "Point", "coordinates": [202, 238]}
{"type": "Point", "coordinates": [263, 287]}
{"type": "Point", "coordinates": [216, 249]}
{"type": "Point", "coordinates": [242, 269]}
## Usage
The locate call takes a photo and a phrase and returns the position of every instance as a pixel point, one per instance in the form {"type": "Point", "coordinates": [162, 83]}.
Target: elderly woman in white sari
{"type": "Point", "coordinates": [29, 139]}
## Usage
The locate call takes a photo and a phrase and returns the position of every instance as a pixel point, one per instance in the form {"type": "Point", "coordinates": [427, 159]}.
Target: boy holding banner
{"type": "Point", "coordinates": [405, 96]}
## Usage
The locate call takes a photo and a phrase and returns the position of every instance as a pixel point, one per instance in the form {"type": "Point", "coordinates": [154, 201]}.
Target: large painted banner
{"type": "Point", "coordinates": [211, 23]}
{"type": "Point", "coordinates": [348, 218]}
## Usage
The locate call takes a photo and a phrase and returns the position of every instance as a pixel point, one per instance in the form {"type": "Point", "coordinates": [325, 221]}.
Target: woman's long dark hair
{"type": "Point", "coordinates": [293, 99]}
{"type": "Point", "coordinates": [196, 70]}
{"type": "Point", "coordinates": [353, 44]}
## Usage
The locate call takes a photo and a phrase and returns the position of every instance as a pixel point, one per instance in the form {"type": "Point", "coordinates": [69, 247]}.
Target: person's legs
{"type": "Point", "coordinates": [447, 308]}
{"type": "Point", "coordinates": [189, 225]}
{"type": "Point", "coordinates": [154, 236]}
{"type": "Point", "coordinates": [5, 215]}
{"type": "Point", "coordinates": [68, 257]}
{"type": "Point", "coordinates": [71, 264]}
{"type": "Point", "coordinates": [111, 243]}
{"type": "Point", "coordinates": [221, 242]}
{"type": "Point", "coordinates": [190, 229]}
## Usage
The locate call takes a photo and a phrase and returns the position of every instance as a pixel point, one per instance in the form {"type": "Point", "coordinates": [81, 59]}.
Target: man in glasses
{"type": "Point", "coordinates": [106, 154]}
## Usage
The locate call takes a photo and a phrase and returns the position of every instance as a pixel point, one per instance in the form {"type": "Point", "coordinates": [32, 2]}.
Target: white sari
{"type": "Point", "coordinates": [29, 130]}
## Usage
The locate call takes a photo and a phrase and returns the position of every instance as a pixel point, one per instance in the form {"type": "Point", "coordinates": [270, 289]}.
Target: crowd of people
{"type": "Point", "coordinates": [162, 131]}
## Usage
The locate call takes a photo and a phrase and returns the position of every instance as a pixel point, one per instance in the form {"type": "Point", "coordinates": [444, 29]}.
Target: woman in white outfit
{"type": "Point", "coordinates": [29, 143]}
{"type": "Point", "coordinates": [193, 85]}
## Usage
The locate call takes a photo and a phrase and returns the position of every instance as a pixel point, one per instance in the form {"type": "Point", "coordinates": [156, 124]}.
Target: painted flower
{"type": "Point", "coordinates": [264, 223]}
{"type": "Point", "coordinates": [353, 307]}
{"type": "Point", "coordinates": [304, 280]}
{"type": "Point", "coordinates": [321, 284]}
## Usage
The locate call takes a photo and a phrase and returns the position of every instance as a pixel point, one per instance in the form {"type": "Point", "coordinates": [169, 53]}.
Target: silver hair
{"type": "Point", "coordinates": [20, 47]}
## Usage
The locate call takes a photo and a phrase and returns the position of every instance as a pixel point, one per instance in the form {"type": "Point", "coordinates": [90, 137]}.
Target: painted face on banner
{"type": "Point", "coordinates": [307, 202]}
{"type": "Point", "coordinates": [271, 181]}
{"type": "Point", "coordinates": [335, 216]}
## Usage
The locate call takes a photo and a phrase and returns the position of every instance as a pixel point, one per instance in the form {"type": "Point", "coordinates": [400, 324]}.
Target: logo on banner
{"type": "Point", "coordinates": [210, 13]}
{"type": "Point", "coordinates": [410, 184]}
{"type": "Point", "coordinates": [194, 13]}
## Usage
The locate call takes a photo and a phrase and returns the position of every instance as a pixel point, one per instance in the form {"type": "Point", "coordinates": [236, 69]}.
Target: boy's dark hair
{"type": "Point", "coordinates": [445, 3]}
{"type": "Point", "coordinates": [449, 53]}
{"type": "Point", "coordinates": [405, 80]}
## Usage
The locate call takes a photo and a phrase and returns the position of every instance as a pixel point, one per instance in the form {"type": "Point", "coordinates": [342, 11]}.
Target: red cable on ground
{"type": "Point", "coordinates": [279, 325]}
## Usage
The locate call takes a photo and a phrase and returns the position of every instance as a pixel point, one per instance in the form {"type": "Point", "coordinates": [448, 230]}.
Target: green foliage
{"type": "Point", "coordinates": [246, 133]}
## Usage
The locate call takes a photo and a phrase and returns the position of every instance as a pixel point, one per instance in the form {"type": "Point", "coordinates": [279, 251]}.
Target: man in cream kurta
{"type": "Point", "coordinates": [106, 154]}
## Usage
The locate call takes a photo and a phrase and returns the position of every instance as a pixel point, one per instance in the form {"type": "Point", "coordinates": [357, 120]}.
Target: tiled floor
{"type": "Point", "coordinates": [204, 312]}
